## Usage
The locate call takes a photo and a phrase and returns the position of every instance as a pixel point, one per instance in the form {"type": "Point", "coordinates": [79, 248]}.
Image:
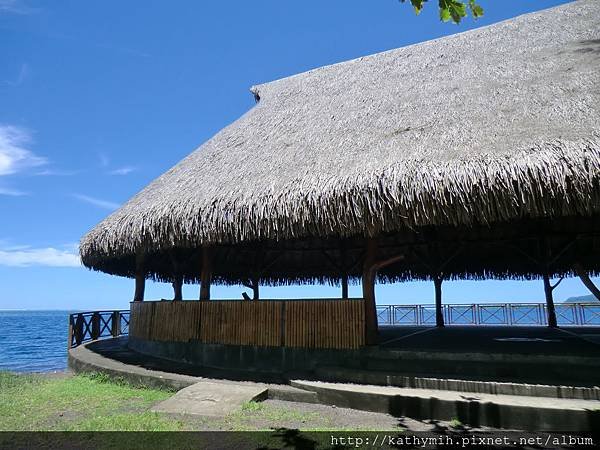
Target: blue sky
{"type": "Point", "coordinates": [98, 98]}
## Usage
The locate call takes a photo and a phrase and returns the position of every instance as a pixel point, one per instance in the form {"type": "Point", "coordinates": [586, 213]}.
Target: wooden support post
{"type": "Point", "coordinates": [547, 260]}
{"type": "Point", "coordinates": [585, 279]}
{"type": "Point", "coordinates": [206, 273]}
{"type": "Point", "coordinates": [178, 288]}
{"type": "Point", "coordinates": [439, 311]}
{"type": "Point", "coordinates": [345, 286]}
{"type": "Point", "coordinates": [368, 288]}
{"type": "Point", "coordinates": [370, 267]}
{"type": "Point", "coordinates": [140, 277]}
{"type": "Point", "coordinates": [548, 288]}
{"type": "Point", "coordinates": [177, 277]}
{"type": "Point", "coordinates": [116, 324]}
{"type": "Point", "coordinates": [344, 266]}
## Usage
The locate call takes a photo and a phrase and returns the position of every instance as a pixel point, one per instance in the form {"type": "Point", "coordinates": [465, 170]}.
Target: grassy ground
{"type": "Point", "coordinates": [95, 403]}
{"type": "Point", "coordinates": [86, 403]}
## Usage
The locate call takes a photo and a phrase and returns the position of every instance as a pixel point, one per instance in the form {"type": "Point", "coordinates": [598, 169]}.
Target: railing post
{"type": "Point", "coordinates": [116, 324]}
{"type": "Point", "coordinates": [70, 334]}
{"type": "Point", "coordinates": [95, 326]}
{"type": "Point", "coordinates": [79, 329]}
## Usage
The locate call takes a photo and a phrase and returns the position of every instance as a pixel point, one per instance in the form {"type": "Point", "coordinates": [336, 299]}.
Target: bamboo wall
{"type": "Point", "coordinates": [294, 323]}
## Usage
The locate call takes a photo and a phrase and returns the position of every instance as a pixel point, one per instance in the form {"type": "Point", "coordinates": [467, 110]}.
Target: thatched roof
{"type": "Point", "coordinates": [489, 126]}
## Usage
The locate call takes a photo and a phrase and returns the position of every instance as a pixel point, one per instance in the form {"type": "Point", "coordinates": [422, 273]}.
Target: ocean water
{"type": "Point", "coordinates": [33, 341]}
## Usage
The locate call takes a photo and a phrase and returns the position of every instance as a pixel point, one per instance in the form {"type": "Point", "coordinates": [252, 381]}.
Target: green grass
{"type": "Point", "coordinates": [253, 413]}
{"type": "Point", "coordinates": [456, 423]}
{"type": "Point", "coordinates": [92, 402]}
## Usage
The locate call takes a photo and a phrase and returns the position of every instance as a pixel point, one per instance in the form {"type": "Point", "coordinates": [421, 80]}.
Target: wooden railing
{"type": "Point", "coordinates": [289, 323]}
{"type": "Point", "coordinates": [92, 325]}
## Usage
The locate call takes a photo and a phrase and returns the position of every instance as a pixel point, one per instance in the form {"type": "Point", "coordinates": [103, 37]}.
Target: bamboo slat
{"type": "Point", "coordinates": [304, 323]}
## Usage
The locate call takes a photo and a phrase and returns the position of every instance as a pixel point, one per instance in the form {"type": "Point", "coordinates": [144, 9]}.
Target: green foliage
{"type": "Point", "coordinates": [453, 10]}
{"type": "Point", "coordinates": [456, 423]}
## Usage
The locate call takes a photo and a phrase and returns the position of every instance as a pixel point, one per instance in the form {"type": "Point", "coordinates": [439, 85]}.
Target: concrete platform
{"type": "Point", "coordinates": [207, 398]}
{"type": "Point", "coordinates": [474, 408]}
{"type": "Point", "coordinates": [448, 383]}
{"type": "Point", "coordinates": [158, 373]}
{"type": "Point", "coordinates": [498, 411]}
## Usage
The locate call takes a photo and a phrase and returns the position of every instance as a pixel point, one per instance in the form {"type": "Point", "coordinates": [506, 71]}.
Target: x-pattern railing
{"type": "Point", "coordinates": [490, 314]}
{"type": "Point", "coordinates": [92, 325]}
{"type": "Point", "coordinates": [590, 315]}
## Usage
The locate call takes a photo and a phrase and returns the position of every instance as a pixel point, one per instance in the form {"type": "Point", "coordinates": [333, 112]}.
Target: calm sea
{"type": "Point", "coordinates": [33, 341]}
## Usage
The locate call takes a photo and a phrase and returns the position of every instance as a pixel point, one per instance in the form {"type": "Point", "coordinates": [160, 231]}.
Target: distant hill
{"type": "Point", "coordinates": [581, 299]}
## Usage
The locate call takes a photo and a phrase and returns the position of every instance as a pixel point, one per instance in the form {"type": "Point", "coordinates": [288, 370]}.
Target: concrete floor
{"type": "Point", "coordinates": [579, 341]}
{"type": "Point", "coordinates": [567, 342]}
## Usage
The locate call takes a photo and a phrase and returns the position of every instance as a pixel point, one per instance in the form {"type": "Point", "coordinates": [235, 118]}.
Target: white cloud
{"type": "Point", "coordinates": [26, 257]}
{"type": "Point", "coordinates": [14, 157]}
{"type": "Point", "coordinates": [21, 77]}
{"type": "Point", "coordinates": [57, 173]}
{"type": "Point", "coordinates": [97, 202]}
{"type": "Point", "coordinates": [122, 171]}
{"type": "Point", "coordinates": [16, 7]}
{"type": "Point", "coordinates": [11, 192]}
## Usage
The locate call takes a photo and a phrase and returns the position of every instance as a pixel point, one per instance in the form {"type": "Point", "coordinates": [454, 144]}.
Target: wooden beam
{"type": "Point", "coordinates": [585, 279]}
{"type": "Point", "coordinates": [335, 264]}
{"type": "Point", "coordinates": [140, 277]}
{"type": "Point", "coordinates": [253, 284]}
{"type": "Point", "coordinates": [439, 312]}
{"type": "Point", "coordinates": [206, 273]}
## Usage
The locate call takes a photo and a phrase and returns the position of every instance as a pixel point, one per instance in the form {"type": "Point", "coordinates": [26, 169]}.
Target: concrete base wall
{"type": "Point", "coordinates": [238, 357]}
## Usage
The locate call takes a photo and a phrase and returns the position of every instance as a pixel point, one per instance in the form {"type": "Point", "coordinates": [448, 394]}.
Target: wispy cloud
{"type": "Point", "coordinates": [23, 74]}
{"type": "Point", "coordinates": [57, 173]}
{"type": "Point", "coordinates": [11, 192]}
{"type": "Point", "coordinates": [122, 170]}
{"type": "Point", "coordinates": [104, 160]}
{"type": "Point", "coordinates": [16, 7]}
{"type": "Point", "coordinates": [126, 50]}
{"type": "Point", "coordinates": [105, 204]}
{"type": "Point", "coordinates": [14, 156]}
{"type": "Point", "coordinates": [105, 163]}
{"type": "Point", "coordinates": [48, 256]}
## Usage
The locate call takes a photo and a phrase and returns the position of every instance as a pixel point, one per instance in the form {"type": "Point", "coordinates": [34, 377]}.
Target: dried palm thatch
{"type": "Point", "coordinates": [496, 125]}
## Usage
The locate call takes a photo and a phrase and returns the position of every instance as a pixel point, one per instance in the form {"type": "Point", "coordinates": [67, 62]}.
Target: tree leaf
{"type": "Point", "coordinates": [453, 10]}
{"type": "Point", "coordinates": [444, 14]}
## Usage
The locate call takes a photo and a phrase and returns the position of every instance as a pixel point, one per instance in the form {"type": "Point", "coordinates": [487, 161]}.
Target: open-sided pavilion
{"type": "Point", "coordinates": [473, 156]}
